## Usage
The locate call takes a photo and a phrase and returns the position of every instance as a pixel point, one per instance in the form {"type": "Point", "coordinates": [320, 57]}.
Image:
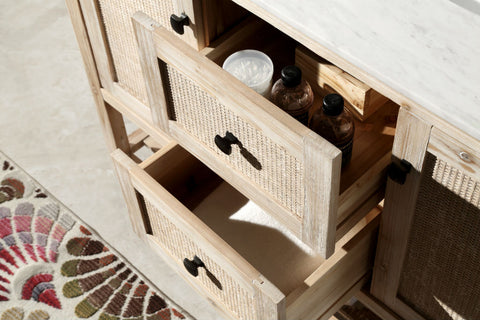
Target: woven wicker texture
{"type": "Point", "coordinates": [116, 16]}
{"type": "Point", "coordinates": [441, 275]}
{"type": "Point", "coordinates": [201, 114]}
{"type": "Point", "coordinates": [460, 184]}
{"type": "Point", "coordinates": [181, 246]}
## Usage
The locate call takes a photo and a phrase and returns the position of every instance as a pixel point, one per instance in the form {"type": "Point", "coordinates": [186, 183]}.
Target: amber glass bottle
{"type": "Point", "coordinates": [293, 94]}
{"type": "Point", "coordinates": [335, 123]}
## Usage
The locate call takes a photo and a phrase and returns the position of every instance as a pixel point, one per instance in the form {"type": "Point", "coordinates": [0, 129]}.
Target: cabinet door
{"type": "Point", "coordinates": [428, 256]}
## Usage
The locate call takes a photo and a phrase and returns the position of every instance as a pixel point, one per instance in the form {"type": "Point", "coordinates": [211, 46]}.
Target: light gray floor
{"type": "Point", "coordinates": [49, 126]}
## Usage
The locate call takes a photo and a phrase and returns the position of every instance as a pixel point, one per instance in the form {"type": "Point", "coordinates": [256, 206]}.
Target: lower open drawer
{"type": "Point", "coordinates": [229, 249]}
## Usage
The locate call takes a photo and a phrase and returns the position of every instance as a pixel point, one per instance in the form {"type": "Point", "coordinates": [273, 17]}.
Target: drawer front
{"type": "Point", "coordinates": [231, 282]}
{"type": "Point", "coordinates": [268, 165]}
{"type": "Point", "coordinates": [218, 282]}
{"type": "Point", "coordinates": [274, 160]}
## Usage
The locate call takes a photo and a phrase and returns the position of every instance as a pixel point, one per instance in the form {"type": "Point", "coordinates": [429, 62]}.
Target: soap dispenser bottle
{"type": "Point", "coordinates": [335, 123]}
{"type": "Point", "coordinates": [293, 94]}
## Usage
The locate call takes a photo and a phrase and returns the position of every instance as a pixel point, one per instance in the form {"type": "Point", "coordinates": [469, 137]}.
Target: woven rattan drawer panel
{"type": "Point", "coordinates": [116, 15]}
{"type": "Point", "coordinates": [180, 246]}
{"type": "Point", "coordinates": [202, 115]}
{"type": "Point", "coordinates": [441, 274]}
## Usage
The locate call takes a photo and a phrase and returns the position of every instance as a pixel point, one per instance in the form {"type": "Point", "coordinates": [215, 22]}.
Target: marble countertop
{"type": "Point", "coordinates": [428, 50]}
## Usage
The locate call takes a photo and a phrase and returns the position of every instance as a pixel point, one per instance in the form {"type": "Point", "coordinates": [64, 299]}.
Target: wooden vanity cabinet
{"type": "Point", "coordinates": [140, 71]}
{"type": "Point", "coordinates": [332, 201]}
{"type": "Point", "coordinates": [310, 194]}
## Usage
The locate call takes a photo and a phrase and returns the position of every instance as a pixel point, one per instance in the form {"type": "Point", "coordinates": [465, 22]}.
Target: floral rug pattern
{"type": "Point", "coordinates": [53, 267]}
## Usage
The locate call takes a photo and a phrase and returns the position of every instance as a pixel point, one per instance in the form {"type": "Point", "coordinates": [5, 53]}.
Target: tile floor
{"type": "Point", "coordinates": [49, 126]}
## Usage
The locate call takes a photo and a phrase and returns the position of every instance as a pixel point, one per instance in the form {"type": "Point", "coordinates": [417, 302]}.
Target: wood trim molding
{"type": "Point", "coordinates": [411, 144]}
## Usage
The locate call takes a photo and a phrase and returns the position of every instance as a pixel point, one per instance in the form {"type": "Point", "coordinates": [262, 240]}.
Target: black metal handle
{"type": "Point", "coordinates": [398, 170]}
{"type": "Point", "coordinates": [225, 143]}
{"type": "Point", "coordinates": [178, 23]}
{"type": "Point", "coordinates": [193, 265]}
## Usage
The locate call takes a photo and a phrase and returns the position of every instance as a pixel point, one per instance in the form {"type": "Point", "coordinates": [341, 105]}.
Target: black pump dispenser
{"type": "Point", "coordinates": [291, 76]}
{"type": "Point", "coordinates": [333, 104]}
{"type": "Point", "coordinates": [335, 123]}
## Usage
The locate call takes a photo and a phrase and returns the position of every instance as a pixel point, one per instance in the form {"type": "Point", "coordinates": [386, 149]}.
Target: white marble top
{"type": "Point", "coordinates": [427, 50]}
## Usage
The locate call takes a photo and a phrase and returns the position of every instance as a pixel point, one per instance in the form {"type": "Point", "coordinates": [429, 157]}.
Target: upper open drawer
{"type": "Point", "coordinates": [287, 169]}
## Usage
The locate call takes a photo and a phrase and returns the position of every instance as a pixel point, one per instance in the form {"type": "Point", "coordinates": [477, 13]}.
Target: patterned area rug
{"type": "Point", "coordinates": [54, 267]}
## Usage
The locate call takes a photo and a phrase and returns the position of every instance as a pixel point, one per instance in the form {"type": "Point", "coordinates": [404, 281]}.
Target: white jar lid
{"type": "Point", "coordinates": [254, 68]}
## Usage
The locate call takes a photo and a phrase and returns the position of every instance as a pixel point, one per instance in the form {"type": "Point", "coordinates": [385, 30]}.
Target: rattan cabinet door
{"type": "Point", "coordinates": [229, 280]}
{"type": "Point", "coordinates": [112, 37]}
{"type": "Point", "coordinates": [428, 256]}
{"type": "Point", "coordinates": [287, 169]}
{"type": "Point", "coordinates": [114, 18]}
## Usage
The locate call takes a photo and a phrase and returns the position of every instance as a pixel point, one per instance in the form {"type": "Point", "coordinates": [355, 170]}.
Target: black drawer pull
{"type": "Point", "coordinates": [193, 265]}
{"type": "Point", "coordinates": [178, 23]}
{"type": "Point", "coordinates": [225, 143]}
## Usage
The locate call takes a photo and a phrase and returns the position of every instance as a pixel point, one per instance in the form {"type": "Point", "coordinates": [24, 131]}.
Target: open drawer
{"type": "Point", "coordinates": [246, 263]}
{"type": "Point", "coordinates": [287, 169]}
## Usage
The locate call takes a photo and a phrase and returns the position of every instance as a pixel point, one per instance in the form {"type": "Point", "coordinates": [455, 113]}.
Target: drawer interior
{"type": "Point", "coordinates": [264, 243]}
{"type": "Point", "coordinates": [254, 33]}
{"type": "Point", "coordinates": [373, 138]}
